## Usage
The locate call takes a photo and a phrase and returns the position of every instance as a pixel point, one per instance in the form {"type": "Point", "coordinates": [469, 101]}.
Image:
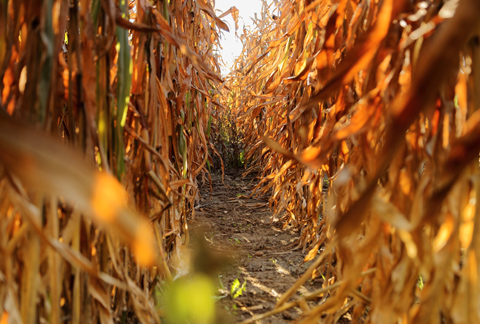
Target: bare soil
{"type": "Point", "coordinates": [260, 252]}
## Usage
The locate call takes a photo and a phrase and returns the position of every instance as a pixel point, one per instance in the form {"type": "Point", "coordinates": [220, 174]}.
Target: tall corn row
{"type": "Point", "coordinates": [128, 87]}
{"type": "Point", "coordinates": [363, 119]}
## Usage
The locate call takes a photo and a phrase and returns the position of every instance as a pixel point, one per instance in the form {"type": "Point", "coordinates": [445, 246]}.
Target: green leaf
{"type": "Point", "coordinates": [124, 77]}
{"type": "Point", "coordinates": [236, 289]}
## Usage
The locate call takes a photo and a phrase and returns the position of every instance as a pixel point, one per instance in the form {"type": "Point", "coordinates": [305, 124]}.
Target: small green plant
{"type": "Point", "coordinates": [242, 157]}
{"type": "Point", "coordinates": [221, 283]}
{"type": "Point", "coordinates": [326, 182]}
{"type": "Point", "coordinates": [420, 282]}
{"type": "Point", "coordinates": [237, 289]}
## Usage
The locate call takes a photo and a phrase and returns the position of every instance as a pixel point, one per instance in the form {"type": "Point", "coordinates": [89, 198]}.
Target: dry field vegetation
{"type": "Point", "coordinates": [359, 117]}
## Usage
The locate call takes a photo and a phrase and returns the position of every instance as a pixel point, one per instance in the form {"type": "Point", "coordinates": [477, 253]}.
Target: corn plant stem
{"type": "Point", "coordinates": [146, 145]}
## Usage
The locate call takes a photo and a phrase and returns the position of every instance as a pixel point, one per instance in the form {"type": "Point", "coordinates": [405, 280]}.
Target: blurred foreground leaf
{"type": "Point", "coordinates": [190, 300]}
{"type": "Point", "coordinates": [48, 166]}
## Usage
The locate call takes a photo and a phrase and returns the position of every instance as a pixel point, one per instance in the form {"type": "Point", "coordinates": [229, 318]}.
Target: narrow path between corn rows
{"type": "Point", "coordinates": [260, 252]}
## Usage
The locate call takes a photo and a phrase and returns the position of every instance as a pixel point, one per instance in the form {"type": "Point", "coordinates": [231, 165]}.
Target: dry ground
{"type": "Point", "coordinates": [260, 251]}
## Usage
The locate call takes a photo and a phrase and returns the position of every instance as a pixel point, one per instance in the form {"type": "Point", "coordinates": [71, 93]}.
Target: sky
{"type": "Point", "coordinates": [232, 47]}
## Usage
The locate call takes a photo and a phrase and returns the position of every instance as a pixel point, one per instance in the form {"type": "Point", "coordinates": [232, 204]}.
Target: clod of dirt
{"type": "Point", "coordinates": [287, 316]}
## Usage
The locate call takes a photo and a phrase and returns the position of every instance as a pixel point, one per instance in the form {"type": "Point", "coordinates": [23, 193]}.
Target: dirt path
{"type": "Point", "coordinates": [261, 252]}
